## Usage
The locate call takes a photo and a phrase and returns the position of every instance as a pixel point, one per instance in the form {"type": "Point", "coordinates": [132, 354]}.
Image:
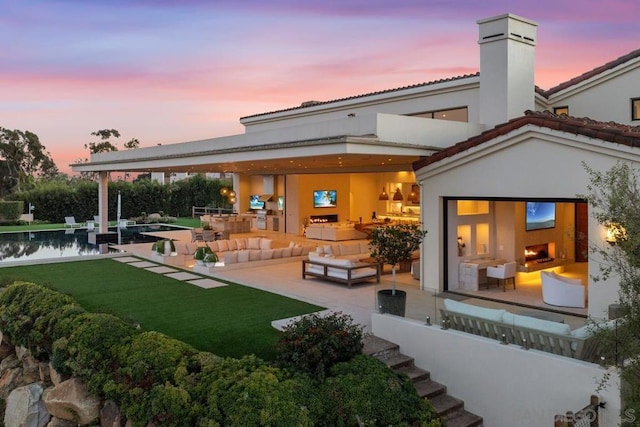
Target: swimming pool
{"type": "Point", "coordinates": [55, 244]}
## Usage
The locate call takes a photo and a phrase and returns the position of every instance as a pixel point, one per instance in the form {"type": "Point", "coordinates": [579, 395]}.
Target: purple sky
{"type": "Point", "coordinates": [174, 71]}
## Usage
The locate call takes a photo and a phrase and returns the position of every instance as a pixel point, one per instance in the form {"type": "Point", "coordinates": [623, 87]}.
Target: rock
{"type": "Point", "coordinates": [58, 422]}
{"type": "Point", "coordinates": [30, 368]}
{"type": "Point", "coordinates": [56, 377]}
{"type": "Point", "coordinates": [11, 379]}
{"type": "Point", "coordinates": [70, 400]}
{"type": "Point", "coordinates": [21, 352]}
{"type": "Point", "coordinates": [25, 408]}
{"type": "Point", "coordinates": [6, 348]}
{"type": "Point", "coordinates": [43, 370]}
{"type": "Point", "coordinates": [110, 415]}
{"type": "Point", "coordinates": [9, 362]}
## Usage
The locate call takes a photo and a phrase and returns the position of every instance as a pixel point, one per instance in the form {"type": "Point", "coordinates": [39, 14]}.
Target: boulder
{"type": "Point", "coordinates": [58, 422]}
{"type": "Point", "coordinates": [11, 379]}
{"type": "Point", "coordinates": [110, 415]}
{"type": "Point", "coordinates": [9, 362]}
{"type": "Point", "coordinates": [6, 348]}
{"type": "Point", "coordinates": [25, 408]}
{"type": "Point", "coordinates": [55, 376]}
{"type": "Point", "coordinates": [21, 352]}
{"type": "Point", "coordinates": [30, 369]}
{"type": "Point", "coordinates": [70, 400]}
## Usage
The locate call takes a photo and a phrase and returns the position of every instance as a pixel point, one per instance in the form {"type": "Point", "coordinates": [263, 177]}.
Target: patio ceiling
{"type": "Point", "coordinates": [337, 155]}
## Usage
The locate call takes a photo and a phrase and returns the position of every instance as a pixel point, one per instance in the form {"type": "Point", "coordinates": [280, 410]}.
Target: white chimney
{"type": "Point", "coordinates": [507, 57]}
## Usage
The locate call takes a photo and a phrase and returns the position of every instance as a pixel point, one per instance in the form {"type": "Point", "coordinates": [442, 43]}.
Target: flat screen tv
{"type": "Point", "coordinates": [255, 203]}
{"type": "Point", "coordinates": [540, 215]}
{"type": "Point", "coordinates": [325, 199]}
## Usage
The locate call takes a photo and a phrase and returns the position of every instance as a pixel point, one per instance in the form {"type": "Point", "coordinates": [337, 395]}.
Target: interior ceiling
{"type": "Point", "coordinates": [343, 163]}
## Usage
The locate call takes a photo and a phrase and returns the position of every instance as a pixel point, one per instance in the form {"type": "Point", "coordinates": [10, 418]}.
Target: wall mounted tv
{"type": "Point", "coordinates": [255, 203]}
{"type": "Point", "coordinates": [325, 199]}
{"type": "Point", "coordinates": [540, 215]}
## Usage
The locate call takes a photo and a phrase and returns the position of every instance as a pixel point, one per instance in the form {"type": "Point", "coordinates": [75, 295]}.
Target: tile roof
{"type": "Point", "coordinates": [589, 74]}
{"type": "Point", "coordinates": [314, 103]}
{"type": "Point", "coordinates": [606, 131]}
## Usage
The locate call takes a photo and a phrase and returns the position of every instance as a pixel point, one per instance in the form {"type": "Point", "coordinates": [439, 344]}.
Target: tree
{"type": "Point", "coordinates": [104, 145]}
{"type": "Point", "coordinates": [22, 159]}
{"type": "Point", "coordinates": [615, 197]}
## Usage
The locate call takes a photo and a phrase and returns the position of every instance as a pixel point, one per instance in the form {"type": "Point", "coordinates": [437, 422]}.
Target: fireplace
{"type": "Point", "coordinates": [537, 252]}
{"type": "Point", "coordinates": [315, 219]}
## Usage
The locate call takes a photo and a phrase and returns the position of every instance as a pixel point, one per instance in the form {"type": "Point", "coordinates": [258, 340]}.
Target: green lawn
{"type": "Point", "coordinates": [233, 320]}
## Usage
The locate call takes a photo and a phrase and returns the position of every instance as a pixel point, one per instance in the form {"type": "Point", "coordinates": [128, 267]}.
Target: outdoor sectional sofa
{"type": "Point", "coordinates": [236, 251]}
{"type": "Point", "coordinates": [341, 270]}
{"type": "Point", "coordinates": [562, 291]}
{"type": "Point", "coordinates": [509, 328]}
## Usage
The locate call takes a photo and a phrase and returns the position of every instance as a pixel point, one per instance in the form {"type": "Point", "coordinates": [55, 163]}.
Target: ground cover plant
{"type": "Point", "coordinates": [233, 320]}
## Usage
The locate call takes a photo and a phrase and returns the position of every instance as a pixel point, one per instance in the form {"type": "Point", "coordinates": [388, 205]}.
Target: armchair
{"type": "Point", "coordinates": [503, 273]}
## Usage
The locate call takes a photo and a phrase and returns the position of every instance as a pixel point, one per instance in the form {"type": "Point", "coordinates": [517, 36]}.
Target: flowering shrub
{"type": "Point", "coordinates": [315, 343]}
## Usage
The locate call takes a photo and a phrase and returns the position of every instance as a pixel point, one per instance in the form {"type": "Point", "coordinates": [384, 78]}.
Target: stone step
{"type": "Point", "coordinates": [378, 347]}
{"type": "Point", "coordinates": [446, 405]}
{"type": "Point", "coordinates": [398, 361]}
{"type": "Point", "coordinates": [414, 373]}
{"type": "Point", "coordinates": [428, 389]}
{"type": "Point", "coordinates": [464, 419]}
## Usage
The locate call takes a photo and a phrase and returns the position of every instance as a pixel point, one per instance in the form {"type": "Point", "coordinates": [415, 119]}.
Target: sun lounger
{"type": "Point", "coordinates": [70, 221]}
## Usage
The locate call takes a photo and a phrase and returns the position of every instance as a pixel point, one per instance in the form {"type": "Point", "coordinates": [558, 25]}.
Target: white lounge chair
{"type": "Point", "coordinates": [70, 221]}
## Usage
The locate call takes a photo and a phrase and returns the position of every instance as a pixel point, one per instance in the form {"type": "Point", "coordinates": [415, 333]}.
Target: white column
{"type": "Point", "coordinates": [103, 201]}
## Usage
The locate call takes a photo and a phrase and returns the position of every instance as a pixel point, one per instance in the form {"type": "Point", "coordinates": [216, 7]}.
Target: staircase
{"type": "Point", "coordinates": [449, 409]}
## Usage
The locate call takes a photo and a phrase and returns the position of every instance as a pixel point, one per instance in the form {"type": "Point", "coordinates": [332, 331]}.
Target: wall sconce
{"type": "Point", "coordinates": [615, 234]}
{"type": "Point", "coordinates": [383, 195]}
{"type": "Point", "coordinates": [397, 196]}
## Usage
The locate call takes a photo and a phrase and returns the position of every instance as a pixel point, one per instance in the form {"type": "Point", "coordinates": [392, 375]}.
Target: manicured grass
{"type": "Point", "coordinates": [233, 320]}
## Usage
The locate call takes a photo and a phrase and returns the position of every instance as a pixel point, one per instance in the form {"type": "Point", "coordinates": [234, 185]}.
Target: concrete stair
{"type": "Point", "coordinates": [449, 409]}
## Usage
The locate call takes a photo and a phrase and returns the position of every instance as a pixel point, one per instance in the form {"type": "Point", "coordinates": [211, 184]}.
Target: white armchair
{"type": "Point", "coordinates": [503, 273]}
{"type": "Point", "coordinates": [562, 291]}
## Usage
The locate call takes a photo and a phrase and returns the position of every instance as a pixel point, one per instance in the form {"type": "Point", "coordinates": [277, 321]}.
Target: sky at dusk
{"type": "Point", "coordinates": [173, 71]}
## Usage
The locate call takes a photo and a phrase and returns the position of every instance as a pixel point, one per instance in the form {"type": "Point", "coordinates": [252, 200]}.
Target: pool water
{"type": "Point", "coordinates": [53, 244]}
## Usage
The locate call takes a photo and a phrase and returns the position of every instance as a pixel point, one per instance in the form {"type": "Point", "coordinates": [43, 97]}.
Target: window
{"type": "Point", "coordinates": [561, 110]}
{"type": "Point", "coordinates": [635, 109]}
{"type": "Point", "coordinates": [453, 114]}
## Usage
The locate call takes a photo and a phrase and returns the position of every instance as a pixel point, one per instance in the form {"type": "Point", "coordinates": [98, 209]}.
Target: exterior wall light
{"type": "Point", "coordinates": [615, 234]}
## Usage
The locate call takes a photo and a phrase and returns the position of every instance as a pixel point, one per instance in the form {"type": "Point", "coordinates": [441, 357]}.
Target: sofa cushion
{"type": "Point", "coordinates": [519, 321]}
{"type": "Point", "coordinates": [230, 257]}
{"type": "Point", "coordinates": [213, 245]}
{"type": "Point", "coordinates": [491, 314]}
{"type": "Point", "coordinates": [223, 245]}
{"type": "Point", "coordinates": [243, 256]}
{"type": "Point", "coordinates": [253, 243]}
{"type": "Point", "coordinates": [296, 251]}
{"type": "Point", "coordinates": [365, 248]}
{"type": "Point", "coordinates": [277, 252]}
{"type": "Point", "coordinates": [266, 254]}
{"type": "Point", "coordinates": [328, 250]}
{"type": "Point", "coordinates": [319, 250]}
{"type": "Point", "coordinates": [355, 274]}
{"type": "Point", "coordinates": [232, 244]}
{"type": "Point", "coordinates": [349, 249]}
{"type": "Point", "coordinates": [254, 254]}
{"type": "Point", "coordinates": [265, 244]}
{"type": "Point", "coordinates": [241, 243]}
{"type": "Point", "coordinates": [306, 250]}
{"type": "Point", "coordinates": [286, 252]}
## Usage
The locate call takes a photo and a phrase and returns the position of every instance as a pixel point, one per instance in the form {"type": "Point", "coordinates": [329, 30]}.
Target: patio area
{"type": "Point", "coordinates": [358, 301]}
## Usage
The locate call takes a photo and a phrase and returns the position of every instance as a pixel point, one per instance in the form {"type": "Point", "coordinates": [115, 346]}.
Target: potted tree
{"type": "Point", "coordinates": [392, 245]}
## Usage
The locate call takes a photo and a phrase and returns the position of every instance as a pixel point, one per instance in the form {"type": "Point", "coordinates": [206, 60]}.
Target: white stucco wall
{"type": "Point", "coordinates": [530, 162]}
{"type": "Point", "coordinates": [506, 385]}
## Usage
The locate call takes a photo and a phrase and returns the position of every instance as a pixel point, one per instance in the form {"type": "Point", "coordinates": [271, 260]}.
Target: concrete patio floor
{"type": "Point", "coordinates": [358, 301]}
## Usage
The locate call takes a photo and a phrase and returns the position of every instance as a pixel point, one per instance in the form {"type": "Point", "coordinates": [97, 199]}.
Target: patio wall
{"type": "Point", "coordinates": [506, 385]}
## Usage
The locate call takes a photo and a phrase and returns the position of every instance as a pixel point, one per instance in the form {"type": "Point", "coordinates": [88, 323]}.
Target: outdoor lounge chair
{"type": "Point", "coordinates": [70, 221]}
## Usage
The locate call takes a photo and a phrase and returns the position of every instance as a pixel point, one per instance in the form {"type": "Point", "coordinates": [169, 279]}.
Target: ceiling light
{"type": "Point", "coordinates": [383, 195]}
{"type": "Point", "coordinates": [397, 196]}
{"type": "Point", "coordinates": [413, 197]}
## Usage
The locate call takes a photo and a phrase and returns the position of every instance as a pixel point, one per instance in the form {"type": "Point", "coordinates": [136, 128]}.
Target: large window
{"type": "Point", "coordinates": [635, 109]}
{"type": "Point", "coordinates": [561, 110]}
{"type": "Point", "coordinates": [453, 114]}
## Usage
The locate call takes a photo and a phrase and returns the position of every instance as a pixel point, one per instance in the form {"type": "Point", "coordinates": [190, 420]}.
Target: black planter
{"type": "Point", "coordinates": [392, 304]}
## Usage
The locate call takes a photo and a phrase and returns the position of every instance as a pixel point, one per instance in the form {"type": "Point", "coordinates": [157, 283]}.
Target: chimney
{"type": "Point", "coordinates": [507, 53]}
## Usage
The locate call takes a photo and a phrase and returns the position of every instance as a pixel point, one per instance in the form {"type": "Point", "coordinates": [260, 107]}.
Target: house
{"type": "Point", "coordinates": [478, 148]}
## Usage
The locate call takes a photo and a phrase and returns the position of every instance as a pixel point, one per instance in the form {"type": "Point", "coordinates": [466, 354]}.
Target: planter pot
{"type": "Point", "coordinates": [404, 266]}
{"type": "Point", "coordinates": [392, 304]}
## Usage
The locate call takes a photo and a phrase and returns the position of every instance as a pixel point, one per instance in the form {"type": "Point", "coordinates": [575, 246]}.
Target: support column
{"type": "Point", "coordinates": [103, 201]}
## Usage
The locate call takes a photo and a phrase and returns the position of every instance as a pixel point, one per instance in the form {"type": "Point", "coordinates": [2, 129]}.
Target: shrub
{"type": "Point", "coordinates": [366, 392]}
{"type": "Point", "coordinates": [315, 343]}
{"type": "Point", "coordinates": [30, 315]}
{"type": "Point", "coordinates": [90, 349]}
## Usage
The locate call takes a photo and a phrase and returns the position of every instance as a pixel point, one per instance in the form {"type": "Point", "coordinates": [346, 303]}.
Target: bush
{"type": "Point", "coordinates": [30, 315]}
{"type": "Point", "coordinates": [315, 343]}
{"type": "Point", "coordinates": [366, 392]}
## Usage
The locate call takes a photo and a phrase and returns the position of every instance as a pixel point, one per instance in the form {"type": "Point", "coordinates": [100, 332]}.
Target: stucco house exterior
{"type": "Point", "coordinates": [493, 139]}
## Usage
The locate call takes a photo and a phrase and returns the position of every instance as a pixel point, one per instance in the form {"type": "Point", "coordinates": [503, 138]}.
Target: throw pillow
{"type": "Point", "coordinates": [253, 243]}
{"type": "Point", "coordinates": [243, 256]}
{"type": "Point", "coordinates": [223, 245]}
